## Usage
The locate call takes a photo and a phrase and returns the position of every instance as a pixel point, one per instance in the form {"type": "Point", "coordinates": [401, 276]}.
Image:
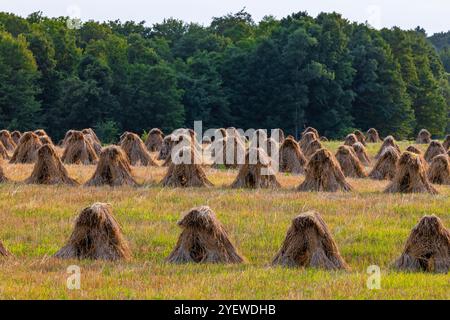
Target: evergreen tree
{"type": "Point", "coordinates": [203, 97]}
{"type": "Point", "coordinates": [381, 99]}
{"type": "Point", "coordinates": [87, 98]}
{"type": "Point", "coordinates": [330, 75]}
{"type": "Point", "coordinates": [430, 107]}
{"type": "Point", "coordinates": [154, 99]}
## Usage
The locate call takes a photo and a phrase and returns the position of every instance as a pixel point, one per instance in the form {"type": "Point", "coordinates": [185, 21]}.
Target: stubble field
{"type": "Point", "coordinates": [369, 226]}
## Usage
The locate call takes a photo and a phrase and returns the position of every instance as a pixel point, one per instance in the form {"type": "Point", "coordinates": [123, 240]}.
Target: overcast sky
{"type": "Point", "coordinates": [433, 15]}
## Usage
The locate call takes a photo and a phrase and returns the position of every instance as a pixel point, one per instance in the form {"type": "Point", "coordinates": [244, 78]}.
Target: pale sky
{"type": "Point", "coordinates": [433, 15]}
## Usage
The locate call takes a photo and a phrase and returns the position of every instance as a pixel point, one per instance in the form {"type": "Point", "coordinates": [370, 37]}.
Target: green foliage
{"type": "Point", "coordinates": [425, 78]}
{"type": "Point", "coordinates": [13, 24]}
{"type": "Point", "coordinates": [445, 57]}
{"type": "Point", "coordinates": [19, 108]}
{"type": "Point", "coordinates": [291, 73]}
{"type": "Point", "coordinates": [204, 97]}
{"type": "Point", "coordinates": [107, 131]}
{"type": "Point", "coordinates": [153, 99]}
{"type": "Point", "coordinates": [440, 40]}
{"type": "Point", "coordinates": [87, 97]}
{"type": "Point", "coordinates": [144, 135]}
{"type": "Point", "coordinates": [238, 26]}
{"type": "Point", "coordinates": [381, 98]}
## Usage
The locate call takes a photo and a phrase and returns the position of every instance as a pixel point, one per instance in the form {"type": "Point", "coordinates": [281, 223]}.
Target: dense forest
{"type": "Point", "coordinates": [442, 43]}
{"type": "Point", "coordinates": [325, 72]}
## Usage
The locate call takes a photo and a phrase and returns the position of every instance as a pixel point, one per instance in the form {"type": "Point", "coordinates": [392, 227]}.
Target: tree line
{"type": "Point", "coordinates": [289, 73]}
{"type": "Point", "coordinates": [441, 42]}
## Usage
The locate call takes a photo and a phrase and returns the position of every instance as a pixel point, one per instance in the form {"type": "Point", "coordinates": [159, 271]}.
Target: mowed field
{"type": "Point", "coordinates": [369, 226]}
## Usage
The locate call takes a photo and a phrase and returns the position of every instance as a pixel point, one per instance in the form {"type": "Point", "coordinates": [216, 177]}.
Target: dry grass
{"type": "Point", "coordinates": [369, 227]}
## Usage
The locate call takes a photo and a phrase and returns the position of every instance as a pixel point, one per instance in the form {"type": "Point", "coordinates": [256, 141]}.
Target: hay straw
{"type": "Point", "coordinates": [411, 176]}
{"type": "Point", "coordinates": [372, 136]}
{"type": "Point", "coordinates": [26, 151]}
{"type": "Point", "coordinates": [434, 148]}
{"type": "Point", "coordinates": [113, 169]}
{"type": "Point", "coordinates": [79, 150]}
{"type": "Point", "coordinates": [136, 150]}
{"type": "Point", "coordinates": [291, 157]}
{"type": "Point", "coordinates": [323, 173]}
{"type": "Point", "coordinates": [154, 140]}
{"type": "Point", "coordinates": [96, 235]}
{"type": "Point", "coordinates": [256, 172]}
{"type": "Point", "coordinates": [203, 240]}
{"type": "Point", "coordinates": [49, 169]}
{"type": "Point", "coordinates": [349, 162]}
{"type": "Point", "coordinates": [309, 243]}
{"type": "Point", "coordinates": [439, 170]}
{"type": "Point", "coordinates": [386, 165]}
{"type": "Point", "coordinates": [427, 248]}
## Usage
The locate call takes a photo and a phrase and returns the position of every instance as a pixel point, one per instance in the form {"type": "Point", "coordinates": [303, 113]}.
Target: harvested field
{"type": "Point", "coordinates": [369, 226]}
